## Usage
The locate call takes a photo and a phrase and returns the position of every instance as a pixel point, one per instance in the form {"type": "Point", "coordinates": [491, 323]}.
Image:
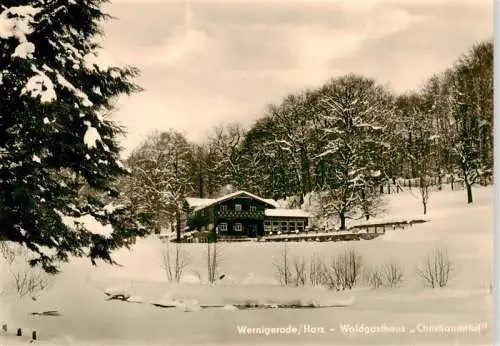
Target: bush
{"type": "Point", "coordinates": [344, 271]}
{"type": "Point", "coordinates": [436, 269]}
{"type": "Point", "coordinates": [393, 274]}
{"type": "Point", "coordinates": [386, 275]}
{"type": "Point", "coordinates": [373, 277]}
{"type": "Point", "coordinates": [175, 260]}
{"type": "Point", "coordinates": [22, 278]}
{"type": "Point", "coordinates": [316, 271]}
{"type": "Point", "coordinates": [299, 272]}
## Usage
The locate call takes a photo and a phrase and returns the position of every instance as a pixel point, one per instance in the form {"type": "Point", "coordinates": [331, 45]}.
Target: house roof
{"type": "Point", "coordinates": [194, 202]}
{"type": "Point", "coordinates": [210, 202]}
{"type": "Point", "coordinates": [287, 213]}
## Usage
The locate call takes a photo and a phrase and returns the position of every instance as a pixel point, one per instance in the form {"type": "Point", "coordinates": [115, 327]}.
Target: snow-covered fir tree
{"type": "Point", "coordinates": [55, 133]}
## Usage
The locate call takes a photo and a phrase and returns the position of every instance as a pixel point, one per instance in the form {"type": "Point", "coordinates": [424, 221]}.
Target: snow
{"type": "Point", "coordinates": [91, 136]}
{"type": "Point", "coordinates": [24, 50]}
{"type": "Point", "coordinates": [88, 222]}
{"type": "Point", "coordinates": [287, 213]}
{"type": "Point", "coordinates": [234, 194]}
{"type": "Point", "coordinates": [40, 85]}
{"type": "Point", "coordinates": [122, 166]}
{"type": "Point", "coordinates": [111, 208]}
{"type": "Point", "coordinates": [97, 90]}
{"type": "Point", "coordinates": [197, 202]}
{"type": "Point", "coordinates": [253, 279]}
{"type": "Point", "coordinates": [16, 22]}
{"type": "Point", "coordinates": [118, 291]}
{"type": "Point", "coordinates": [77, 92]}
{"type": "Point", "coordinates": [36, 159]}
{"type": "Point", "coordinates": [88, 318]}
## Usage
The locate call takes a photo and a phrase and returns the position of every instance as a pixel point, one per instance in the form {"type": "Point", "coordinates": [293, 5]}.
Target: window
{"type": "Point", "coordinates": [238, 227]}
{"type": "Point", "coordinates": [223, 207]}
{"type": "Point", "coordinates": [222, 227]}
{"type": "Point", "coordinates": [276, 226]}
{"type": "Point", "coordinates": [253, 208]}
{"type": "Point", "coordinates": [267, 226]}
{"type": "Point", "coordinates": [237, 207]}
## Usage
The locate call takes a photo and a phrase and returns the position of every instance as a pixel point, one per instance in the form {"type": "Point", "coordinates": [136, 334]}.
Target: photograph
{"type": "Point", "coordinates": [247, 172]}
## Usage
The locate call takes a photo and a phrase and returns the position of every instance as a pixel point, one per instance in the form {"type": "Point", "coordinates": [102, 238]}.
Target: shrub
{"type": "Point", "coordinates": [344, 271]}
{"type": "Point", "coordinates": [175, 260]}
{"type": "Point", "coordinates": [436, 269]}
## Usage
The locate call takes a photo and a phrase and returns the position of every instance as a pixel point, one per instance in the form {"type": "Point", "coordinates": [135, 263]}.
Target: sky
{"type": "Point", "coordinates": [204, 62]}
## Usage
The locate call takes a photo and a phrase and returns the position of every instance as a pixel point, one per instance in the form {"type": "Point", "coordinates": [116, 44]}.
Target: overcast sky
{"type": "Point", "coordinates": [209, 62]}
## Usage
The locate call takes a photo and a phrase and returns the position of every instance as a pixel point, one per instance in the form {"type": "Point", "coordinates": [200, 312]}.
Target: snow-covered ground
{"type": "Point", "coordinates": [410, 314]}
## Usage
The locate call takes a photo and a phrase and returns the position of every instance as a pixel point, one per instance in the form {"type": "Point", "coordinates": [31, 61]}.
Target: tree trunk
{"type": "Point", "coordinates": [201, 193]}
{"type": "Point", "coordinates": [342, 220]}
{"type": "Point", "coordinates": [425, 207]}
{"type": "Point", "coordinates": [469, 192]}
{"type": "Point", "coordinates": [178, 224]}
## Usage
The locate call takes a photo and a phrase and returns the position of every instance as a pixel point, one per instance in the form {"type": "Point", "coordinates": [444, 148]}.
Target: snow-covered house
{"type": "Point", "coordinates": [245, 214]}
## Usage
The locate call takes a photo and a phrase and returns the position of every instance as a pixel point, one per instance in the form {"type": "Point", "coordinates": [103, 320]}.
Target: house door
{"type": "Point", "coordinates": [252, 230]}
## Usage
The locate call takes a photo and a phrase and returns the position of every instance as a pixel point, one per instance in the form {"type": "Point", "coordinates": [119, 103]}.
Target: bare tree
{"type": "Point", "coordinates": [356, 111]}
{"type": "Point", "coordinates": [224, 158]}
{"type": "Point", "coordinates": [175, 260]}
{"type": "Point", "coordinates": [436, 269]}
{"type": "Point", "coordinates": [214, 261]}
{"type": "Point", "coordinates": [299, 271]}
{"type": "Point", "coordinates": [316, 271]}
{"type": "Point", "coordinates": [424, 188]}
{"type": "Point", "coordinates": [162, 177]}
{"type": "Point", "coordinates": [283, 267]}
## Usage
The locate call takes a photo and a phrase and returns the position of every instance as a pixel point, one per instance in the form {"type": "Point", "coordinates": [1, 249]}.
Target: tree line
{"type": "Point", "coordinates": [341, 141]}
{"type": "Point", "coordinates": [65, 193]}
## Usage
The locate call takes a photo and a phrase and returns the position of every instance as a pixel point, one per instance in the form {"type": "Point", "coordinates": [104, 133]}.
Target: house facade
{"type": "Point", "coordinates": [243, 214]}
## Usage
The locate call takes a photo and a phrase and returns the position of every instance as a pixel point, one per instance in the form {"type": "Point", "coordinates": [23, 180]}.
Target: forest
{"type": "Point", "coordinates": [342, 141]}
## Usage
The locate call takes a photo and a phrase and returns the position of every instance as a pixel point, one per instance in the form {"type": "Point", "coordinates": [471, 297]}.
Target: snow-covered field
{"type": "Point", "coordinates": [461, 313]}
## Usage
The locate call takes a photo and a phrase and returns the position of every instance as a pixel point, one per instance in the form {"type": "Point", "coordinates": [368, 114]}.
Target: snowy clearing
{"type": "Point", "coordinates": [460, 313]}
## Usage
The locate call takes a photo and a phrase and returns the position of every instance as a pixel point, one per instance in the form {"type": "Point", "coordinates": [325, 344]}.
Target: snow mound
{"type": "Point", "coordinates": [190, 279]}
{"type": "Point", "coordinates": [183, 304]}
{"type": "Point", "coordinates": [117, 291]}
{"type": "Point", "coordinates": [252, 279]}
{"type": "Point", "coordinates": [193, 297]}
{"type": "Point", "coordinates": [135, 299]}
